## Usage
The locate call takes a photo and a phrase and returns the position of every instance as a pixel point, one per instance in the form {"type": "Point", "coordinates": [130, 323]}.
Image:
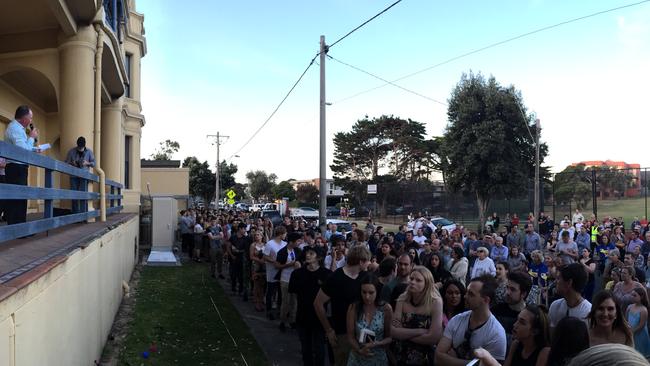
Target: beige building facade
{"type": "Point", "coordinates": [166, 178]}
{"type": "Point", "coordinates": [76, 63]}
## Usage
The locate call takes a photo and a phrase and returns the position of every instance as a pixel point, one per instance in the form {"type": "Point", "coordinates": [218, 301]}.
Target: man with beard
{"type": "Point", "coordinates": [519, 284]}
{"type": "Point", "coordinates": [404, 267]}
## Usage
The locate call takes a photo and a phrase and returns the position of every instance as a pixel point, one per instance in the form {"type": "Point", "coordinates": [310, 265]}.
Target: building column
{"type": "Point", "coordinates": [112, 140]}
{"type": "Point", "coordinates": [76, 101]}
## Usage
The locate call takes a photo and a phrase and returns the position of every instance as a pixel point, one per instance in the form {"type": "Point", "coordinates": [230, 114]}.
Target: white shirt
{"type": "Point", "coordinates": [490, 335]}
{"type": "Point", "coordinates": [271, 249]}
{"type": "Point", "coordinates": [483, 266]}
{"type": "Point", "coordinates": [286, 272]}
{"type": "Point", "coordinates": [559, 310]}
{"type": "Point", "coordinates": [328, 262]}
{"type": "Point", "coordinates": [419, 239]}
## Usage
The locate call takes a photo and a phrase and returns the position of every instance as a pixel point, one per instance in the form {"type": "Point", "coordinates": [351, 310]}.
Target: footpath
{"type": "Point", "coordinates": [281, 348]}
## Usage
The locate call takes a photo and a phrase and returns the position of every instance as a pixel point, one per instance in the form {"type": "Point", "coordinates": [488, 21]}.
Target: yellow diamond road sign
{"type": "Point", "coordinates": [231, 201]}
{"type": "Point", "coordinates": [230, 194]}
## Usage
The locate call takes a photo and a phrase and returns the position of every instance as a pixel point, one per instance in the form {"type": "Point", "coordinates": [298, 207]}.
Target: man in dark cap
{"type": "Point", "coordinates": [305, 283]}
{"type": "Point", "coordinates": [83, 158]}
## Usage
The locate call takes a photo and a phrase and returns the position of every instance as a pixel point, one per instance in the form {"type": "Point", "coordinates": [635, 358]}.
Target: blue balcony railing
{"type": "Point", "coordinates": [48, 193]}
{"type": "Point", "coordinates": [114, 14]}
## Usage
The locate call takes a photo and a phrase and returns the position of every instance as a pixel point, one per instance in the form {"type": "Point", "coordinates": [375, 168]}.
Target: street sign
{"type": "Point", "coordinates": [231, 201]}
{"type": "Point", "coordinates": [230, 194]}
{"type": "Point", "coordinates": [372, 189]}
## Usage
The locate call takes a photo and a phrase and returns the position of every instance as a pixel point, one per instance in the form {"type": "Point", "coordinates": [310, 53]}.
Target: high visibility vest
{"type": "Point", "coordinates": [594, 234]}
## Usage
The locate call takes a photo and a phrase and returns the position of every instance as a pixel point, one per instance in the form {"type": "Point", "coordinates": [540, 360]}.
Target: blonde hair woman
{"type": "Point", "coordinates": [417, 323]}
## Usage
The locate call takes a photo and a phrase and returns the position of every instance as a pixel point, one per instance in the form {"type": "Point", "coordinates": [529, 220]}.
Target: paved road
{"type": "Point", "coordinates": [281, 349]}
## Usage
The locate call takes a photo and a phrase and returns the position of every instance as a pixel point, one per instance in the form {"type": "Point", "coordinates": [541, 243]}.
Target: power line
{"type": "Point", "coordinates": [364, 23]}
{"type": "Point", "coordinates": [498, 44]}
{"type": "Point", "coordinates": [276, 108]}
{"type": "Point", "coordinates": [304, 72]}
{"type": "Point", "coordinates": [388, 82]}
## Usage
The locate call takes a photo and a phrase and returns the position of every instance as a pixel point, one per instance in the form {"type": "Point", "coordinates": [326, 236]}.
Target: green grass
{"type": "Point", "coordinates": [174, 310]}
{"type": "Point", "coordinates": [627, 208]}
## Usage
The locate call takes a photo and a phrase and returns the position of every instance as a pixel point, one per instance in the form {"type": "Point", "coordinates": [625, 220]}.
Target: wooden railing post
{"type": "Point", "coordinates": [48, 209]}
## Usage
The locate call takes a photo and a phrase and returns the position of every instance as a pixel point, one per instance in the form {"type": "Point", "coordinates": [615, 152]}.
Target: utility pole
{"type": "Point", "coordinates": [538, 128]}
{"type": "Point", "coordinates": [216, 184]}
{"type": "Point", "coordinates": [323, 158]}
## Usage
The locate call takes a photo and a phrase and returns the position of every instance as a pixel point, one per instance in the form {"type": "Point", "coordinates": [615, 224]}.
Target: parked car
{"type": "Point", "coordinates": [332, 211]}
{"type": "Point", "coordinates": [241, 206]}
{"type": "Point", "coordinates": [256, 207]}
{"type": "Point", "coordinates": [360, 211]}
{"type": "Point", "coordinates": [446, 223]}
{"type": "Point", "coordinates": [305, 212]}
{"type": "Point", "coordinates": [342, 226]}
{"type": "Point", "coordinates": [275, 217]}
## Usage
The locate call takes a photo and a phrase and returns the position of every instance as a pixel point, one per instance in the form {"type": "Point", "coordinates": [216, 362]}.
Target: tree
{"type": "Point", "coordinates": [384, 142]}
{"type": "Point", "coordinates": [166, 150]}
{"type": "Point", "coordinates": [360, 153]}
{"type": "Point", "coordinates": [487, 145]}
{"type": "Point", "coordinates": [574, 183]}
{"type": "Point", "coordinates": [284, 189]}
{"type": "Point", "coordinates": [240, 191]}
{"type": "Point", "coordinates": [226, 176]}
{"type": "Point", "coordinates": [260, 184]}
{"type": "Point", "coordinates": [202, 179]}
{"type": "Point", "coordinates": [307, 193]}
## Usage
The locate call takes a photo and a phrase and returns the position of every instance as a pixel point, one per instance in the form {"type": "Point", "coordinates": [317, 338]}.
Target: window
{"type": "Point", "coordinates": [127, 161]}
{"type": "Point", "coordinates": [127, 64]}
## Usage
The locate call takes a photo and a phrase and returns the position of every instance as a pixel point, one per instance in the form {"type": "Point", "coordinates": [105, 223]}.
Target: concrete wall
{"type": "Point", "coordinates": [65, 315]}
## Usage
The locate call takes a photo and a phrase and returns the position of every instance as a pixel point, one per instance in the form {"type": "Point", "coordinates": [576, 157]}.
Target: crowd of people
{"type": "Point", "coordinates": [519, 293]}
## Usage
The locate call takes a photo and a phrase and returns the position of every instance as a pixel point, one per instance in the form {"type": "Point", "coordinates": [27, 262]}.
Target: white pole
{"type": "Point", "coordinates": [536, 208]}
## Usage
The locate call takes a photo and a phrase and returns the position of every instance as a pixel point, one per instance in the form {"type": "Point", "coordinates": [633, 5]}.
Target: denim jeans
{"type": "Point", "coordinates": [272, 290]}
{"type": "Point", "coordinates": [79, 184]}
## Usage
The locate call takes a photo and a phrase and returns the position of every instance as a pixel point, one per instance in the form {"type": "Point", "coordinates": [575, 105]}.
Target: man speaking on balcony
{"type": "Point", "coordinates": [83, 158]}
{"type": "Point", "coordinates": [16, 173]}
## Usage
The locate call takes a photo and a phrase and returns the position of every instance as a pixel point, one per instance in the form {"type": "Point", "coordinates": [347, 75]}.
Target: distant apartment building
{"type": "Point", "coordinates": [634, 189]}
{"type": "Point", "coordinates": [332, 189]}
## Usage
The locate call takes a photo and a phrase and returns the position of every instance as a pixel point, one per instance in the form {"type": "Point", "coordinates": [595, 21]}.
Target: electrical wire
{"type": "Point", "coordinates": [304, 72]}
{"type": "Point", "coordinates": [276, 108]}
{"type": "Point", "coordinates": [386, 81]}
{"type": "Point", "coordinates": [364, 23]}
{"type": "Point", "coordinates": [538, 30]}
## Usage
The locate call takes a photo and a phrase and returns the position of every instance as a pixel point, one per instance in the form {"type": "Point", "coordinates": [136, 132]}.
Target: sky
{"type": "Point", "coordinates": [224, 66]}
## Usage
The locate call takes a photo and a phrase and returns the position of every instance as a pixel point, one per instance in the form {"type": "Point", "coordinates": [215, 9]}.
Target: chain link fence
{"type": "Point", "coordinates": [603, 191]}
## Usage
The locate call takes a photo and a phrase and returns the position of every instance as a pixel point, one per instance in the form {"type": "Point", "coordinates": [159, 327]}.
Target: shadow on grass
{"type": "Point", "coordinates": [175, 313]}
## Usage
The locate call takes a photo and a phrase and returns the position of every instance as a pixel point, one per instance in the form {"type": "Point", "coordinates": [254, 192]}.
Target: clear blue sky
{"type": "Point", "coordinates": [224, 66]}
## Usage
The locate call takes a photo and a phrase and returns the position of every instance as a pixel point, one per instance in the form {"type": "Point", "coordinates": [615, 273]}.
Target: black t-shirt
{"type": "Point", "coordinates": [640, 275]}
{"type": "Point", "coordinates": [242, 245]}
{"type": "Point", "coordinates": [305, 284]}
{"type": "Point", "coordinates": [507, 317]}
{"type": "Point", "coordinates": [342, 291]}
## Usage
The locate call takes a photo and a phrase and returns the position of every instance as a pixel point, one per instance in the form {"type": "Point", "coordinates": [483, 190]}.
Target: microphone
{"type": "Point", "coordinates": [31, 128]}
